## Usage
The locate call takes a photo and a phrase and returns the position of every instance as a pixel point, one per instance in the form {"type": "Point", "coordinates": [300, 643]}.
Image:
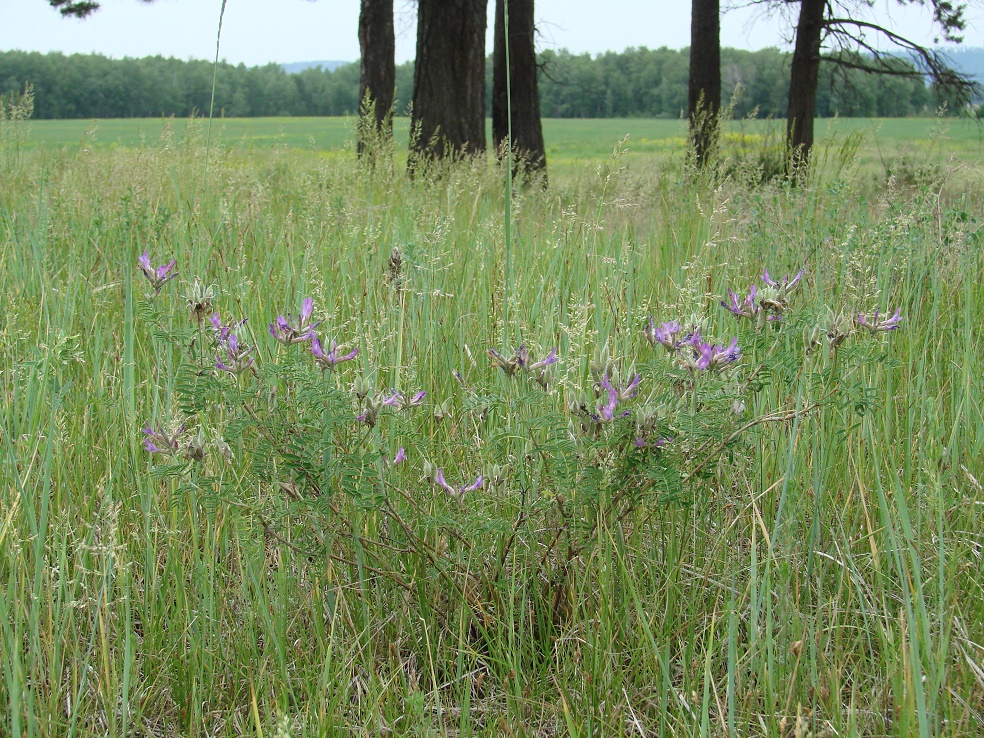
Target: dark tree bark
{"type": "Point", "coordinates": [449, 78]}
{"type": "Point", "coordinates": [704, 87]}
{"type": "Point", "coordinates": [377, 42]}
{"type": "Point", "coordinates": [527, 131]}
{"type": "Point", "coordinates": [803, 75]}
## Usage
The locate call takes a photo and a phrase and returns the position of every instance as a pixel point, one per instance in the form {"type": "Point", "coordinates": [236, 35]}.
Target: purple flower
{"type": "Point", "coordinates": [522, 356]}
{"type": "Point", "coordinates": [607, 411]}
{"type": "Point", "coordinates": [330, 359]}
{"type": "Point", "coordinates": [630, 390]}
{"type": "Point", "coordinates": [477, 484]}
{"type": "Point", "coordinates": [691, 339]}
{"type": "Point", "coordinates": [521, 360]}
{"type": "Point", "coordinates": [641, 442]}
{"type": "Point", "coordinates": [786, 285]}
{"type": "Point", "coordinates": [160, 442]}
{"type": "Point", "coordinates": [612, 396]}
{"type": "Point", "coordinates": [159, 276]}
{"type": "Point", "coordinates": [221, 331]}
{"type": "Point", "coordinates": [237, 357]}
{"type": "Point", "coordinates": [443, 483]}
{"type": "Point", "coordinates": [288, 331]}
{"type": "Point", "coordinates": [665, 334]}
{"type": "Point", "coordinates": [746, 308]}
{"type": "Point", "coordinates": [400, 401]}
{"type": "Point", "coordinates": [551, 358]}
{"type": "Point", "coordinates": [401, 455]}
{"type": "Point", "coordinates": [878, 323]}
{"type": "Point", "coordinates": [714, 357]}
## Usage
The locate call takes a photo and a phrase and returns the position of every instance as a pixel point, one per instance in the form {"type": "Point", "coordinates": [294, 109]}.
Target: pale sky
{"type": "Point", "coordinates": [304, 30]}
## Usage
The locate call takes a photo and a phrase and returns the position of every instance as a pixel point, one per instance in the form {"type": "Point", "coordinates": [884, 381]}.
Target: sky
{"type": "Point", "coordinates": [306, 30]}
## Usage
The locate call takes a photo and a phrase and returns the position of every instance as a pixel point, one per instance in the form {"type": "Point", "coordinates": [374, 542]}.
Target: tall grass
{"type": "Point", "coordinates": [821, 581]}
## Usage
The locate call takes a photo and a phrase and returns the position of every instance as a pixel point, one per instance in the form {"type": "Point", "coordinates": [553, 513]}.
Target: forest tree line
{"type": "Point", "coordinates": [637, 82]}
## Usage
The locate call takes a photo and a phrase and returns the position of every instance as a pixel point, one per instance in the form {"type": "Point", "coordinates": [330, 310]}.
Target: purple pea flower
{"type": "Point", "coordinates": [237, 356]}
{"type": "Point", "coordinates": [665, 335]}
{"type": "Point", "coordinates": [458, 494]}
{"type": "Point", "coordinates": [401, 455]}
{"type": "Point", "coordinates": [400, 401]}
{"type": "Point", "coordinates": [222, 332]}
{"type": "Point", "coordinates": [630, 390]}
{"type": "Point", "coordinates": [288, 332]}
{"type": "Point", "coordinates": [476, 485]}
{"type": "Point", "coordinates": [551, 358]}
{"type": "Point", "coordinates": [641, 442]}
{"type": "Point", "coordinates": [522, 357]}
{"type": "Point", "coordinates": [692, 339]}
{"type": "Point", "coordinates": [606, 411]}
{"type": "Point", "coordinates": [879, 323]}
{"type": "Point", "coordinates": [368, 416]}
{"type": "Point", "coordinates": [330, 359]}
{"type": "Point", "coordinates": [709, 356]}
{"type": "Point", "coordinates": [160, 442]}
{"type": "Point", "coordinates": [158, 277]}
{"type": "Point", "coordinates": [785, 285]}
{"type": "Point", "coordinates": [521, 360]}
{"type": "Point", "coordinates": [746, 308]}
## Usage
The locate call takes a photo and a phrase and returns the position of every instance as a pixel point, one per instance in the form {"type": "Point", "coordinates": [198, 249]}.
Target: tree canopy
{"type": "Point", "coordinates": [635, 83]}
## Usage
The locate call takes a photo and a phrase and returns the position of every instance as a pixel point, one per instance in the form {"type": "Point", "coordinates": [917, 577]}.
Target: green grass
{"type": "Point", "coordinates": [821, 579]}
{"type": "Point", "coordinates": [569, 142]}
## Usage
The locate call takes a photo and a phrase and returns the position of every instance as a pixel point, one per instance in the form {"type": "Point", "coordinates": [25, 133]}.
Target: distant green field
{"type": "Point", "coordinates": [570, 142]}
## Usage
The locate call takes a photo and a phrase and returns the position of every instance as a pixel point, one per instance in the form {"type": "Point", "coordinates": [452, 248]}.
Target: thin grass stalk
{"type": "Point", "coordinates": [507, 232]}
{"type": "Point", "coordinates": [211, 103]}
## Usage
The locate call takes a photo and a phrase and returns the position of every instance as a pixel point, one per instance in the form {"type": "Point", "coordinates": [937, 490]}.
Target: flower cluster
{"type": "Point", "coordinates": [666, 334]}
{"type": "Point", "coordinates": [613, 394]}
{"type": "Point", "coordinates": [709, 357]}
{"type": "Point", "coordinates": [289, 331]}
{"type": "Point", "coordinates": [838, 327]}
{"type": "Point", "coordinates": [234, 356]}
{"type": "Point", "coordinates": [158, 276]}
{"type": "Point", "coordinates": [329, 359]}
{"type": "Point", "coordinates": [774, 297]}
{"type": "Point", "coordinates": [598, 408]}
{"type": "Point", "coordinates": [374, 404]}
{"type": "Point", "coordinates": [158, 441]}
{"type": "Point", "coordinates": [769, 302]}
{"type": "Point", "coordinates": [879, 323]}
{"type": "Point", "coordinates": [691, 349]}
{"type": "Point", "coordinates": [435, 476]}
{"type": "Point", "coordinates": [521, 362]}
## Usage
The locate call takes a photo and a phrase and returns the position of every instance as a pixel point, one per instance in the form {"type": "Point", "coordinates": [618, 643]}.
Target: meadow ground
{"type": "Point", "coordinates": [667, 540]}
{"type": "Point", "coordinates": [570, 143]}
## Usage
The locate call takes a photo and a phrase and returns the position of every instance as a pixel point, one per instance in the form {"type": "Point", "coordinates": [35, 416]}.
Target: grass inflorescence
{"type": "Point", "coordinates": [583, 531]}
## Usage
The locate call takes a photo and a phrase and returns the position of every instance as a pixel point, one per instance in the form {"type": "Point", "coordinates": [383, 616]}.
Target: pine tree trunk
{"type": "Point", "coordinates": [803, 76]}
{"type": "Point", "coordinates": [527, 131]}
{"type": "Point", "coordinates": [704, 87]}
{"type": "Point", "coordinates": [377, 42]}
{"type": "Point", "coordinates": [449, 78]}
